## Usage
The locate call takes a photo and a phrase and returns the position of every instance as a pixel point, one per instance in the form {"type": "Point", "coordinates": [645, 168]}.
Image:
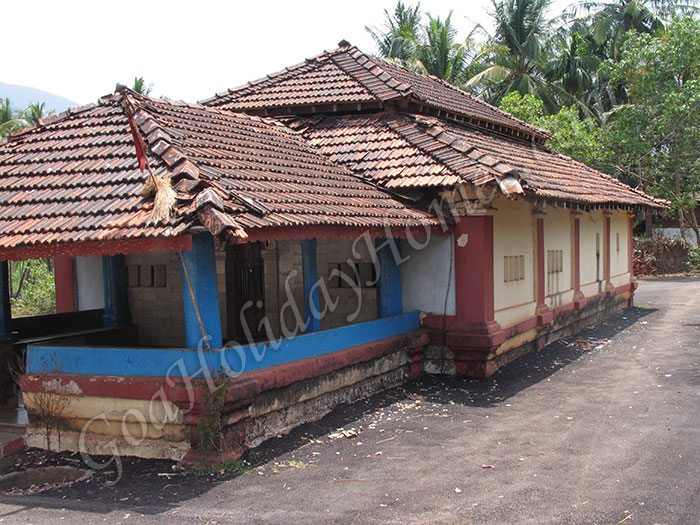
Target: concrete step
{"type": "Point", "coordinates": [13, 421]}
{"type": "Point", "coordinates": [10, 431]}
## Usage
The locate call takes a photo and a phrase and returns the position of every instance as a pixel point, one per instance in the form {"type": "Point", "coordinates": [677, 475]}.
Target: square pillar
{"type": "Point", "coordinates": [576, 237]}
{"type": "Point", "coordinates": [542, 311]}
{"type": "Point", "coordinates": [64, 283]}
{"type": "Point", "coordinates": [5, 307]}
{"type": "Point", "coordinates": [609, 289]}
{"type": "Point", "coordinates": [116, 299]}
{"type": "Point", "coordinates": [475, 335]}
{"type": "Point", "coordinates": [630, 253]}
{"type": "Point", "coordinates": [389, 300]}
{"type": "Point", "coordinates": [473, 253]}
{"type": "Point", "coordinates": [312, 322]}
{"type": "Point", "coordinates": [200, 294]}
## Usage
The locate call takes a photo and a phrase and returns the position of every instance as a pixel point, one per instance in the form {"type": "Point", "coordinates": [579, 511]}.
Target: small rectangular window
{"type": "Point", "coordinates": [146, 276]}
{"type": "Point", "coordinates": [617, 241]}
{"type": "Point", "coordinates": [555, 261]}
{"type": "Point", "coordinates": [159, 276]}
{"type": "Point", "coordinates": [513, 268]}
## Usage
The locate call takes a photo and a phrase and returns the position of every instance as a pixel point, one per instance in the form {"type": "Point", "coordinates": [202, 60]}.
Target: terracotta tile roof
{"type": "Point", "coordinates": [76, 178]}
{"type": "Point", "coordinates": [400, 150]}
{"type": "Point", "coordinates": [346, 75]}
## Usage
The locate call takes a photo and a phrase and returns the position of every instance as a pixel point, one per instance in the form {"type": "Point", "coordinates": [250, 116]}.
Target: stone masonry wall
{"type": "Point", "coordinates": [156, 310]}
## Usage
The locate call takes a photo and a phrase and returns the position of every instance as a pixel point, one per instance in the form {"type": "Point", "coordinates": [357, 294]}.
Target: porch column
{"type": "Point", "coordinates": [473, 254]}
{"type": "Point", "coordinates": [310, 275]}
{"type": "Point", "coordinates": [116, 299]}
{"type": "Point", "coordinates": [630, 252]}
{"type": "Point", "coordinates": [609, 288]}
{"type": "Point", "coordinates": [5, 309]}
{"type": "Point", "coordinates": [475, 334]}
{"type": "Point", "coordinates": [389, 284]}
{"type": "Point", "coordinates": [578, 295]}
{"type": "Point", "coordinates": [64, 283]}
{"type": "Point", "coordinates": [542, 311]}
{"type": "Point", "coordinates": [200, 293]}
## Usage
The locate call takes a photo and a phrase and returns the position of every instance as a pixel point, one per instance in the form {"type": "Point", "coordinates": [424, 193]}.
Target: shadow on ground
{"type": "Point", "coordinates": [156, 486]}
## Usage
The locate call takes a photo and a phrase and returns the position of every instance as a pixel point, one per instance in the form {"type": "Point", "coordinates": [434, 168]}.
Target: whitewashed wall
{"type": "Point", "coordinates": [426, 278]}
{"type": "Point", "coordinates": [89, 285]}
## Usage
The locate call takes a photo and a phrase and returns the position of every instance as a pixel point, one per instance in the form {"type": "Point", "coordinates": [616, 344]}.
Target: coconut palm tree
{"type": "Point", "coordinates": [9, 120]}
{"type": "Point", "coordinates": [610, 21]}
{"type": "Point", "coordinates": [519, 56]}
{"type": "Point", "coordinates": [439, 53]}
{"type": "Point", "coordinates": [401, 32]}
{"type": "Point", "coordinates": [141, 87]}
{"type": "Point", "coordinates": [35, 113]}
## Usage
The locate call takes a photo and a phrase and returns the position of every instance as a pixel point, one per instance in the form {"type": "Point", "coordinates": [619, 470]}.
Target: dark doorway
{"type": "Point", "coordinates": [245, 292]}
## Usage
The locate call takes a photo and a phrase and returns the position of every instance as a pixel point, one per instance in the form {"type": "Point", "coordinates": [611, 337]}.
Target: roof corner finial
{"type": "Point", "coordinates": [120, 88]}
{"type": "Point", "coordinates": [344, 43]}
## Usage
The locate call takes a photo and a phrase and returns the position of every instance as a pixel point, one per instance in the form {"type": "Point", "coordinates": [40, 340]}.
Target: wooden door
{"type": "Point", "coordinates": [245, 291]}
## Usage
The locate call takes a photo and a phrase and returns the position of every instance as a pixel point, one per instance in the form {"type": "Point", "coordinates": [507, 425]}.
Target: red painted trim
{"type": "Point", "coordinates": [64, 284]}
{"type": "Point", "coordinates": [564, 309]}
{"type": "Point", "coordinates": [83, 249]}
{"type": "Point", "coordinates": [544, 314]}
{"type": "Point", "coordinates": [520, 327]}
{"type": "Point", "coordinates": [13, 446]}
{"type": "Point", "coordinates": [474, 272]}
{"type": "Point", "coordinates": [434, 322]}
{"type": "Point", "coordinates": [335, 232]}
{"type": "Point", "coordinates": [437, 321]}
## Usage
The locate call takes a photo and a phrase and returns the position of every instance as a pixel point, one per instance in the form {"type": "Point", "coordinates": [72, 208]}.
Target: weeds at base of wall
{"type": "Point", "coordinates": [48, 411]}
{"type": "Point", "coordinates": [210, 429]}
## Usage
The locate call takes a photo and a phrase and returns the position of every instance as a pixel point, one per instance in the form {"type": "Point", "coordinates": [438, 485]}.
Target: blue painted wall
{"type": "Point", "coordinates": [310, 274]}
{"type": "Point", "coordinates": [190, 363]}
{"type": "Point", "coordinates": [115, 293]}
{"type": "Point", "coordinates": [389, 286]}
{"type": "Point", "coordinates": [201, 267]}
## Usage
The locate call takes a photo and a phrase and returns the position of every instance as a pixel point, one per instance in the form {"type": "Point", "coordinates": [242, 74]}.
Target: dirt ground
{"type": "Point", "coordinates": [603, 427]}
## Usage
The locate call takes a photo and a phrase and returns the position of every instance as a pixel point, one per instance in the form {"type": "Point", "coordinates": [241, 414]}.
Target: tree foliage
{"type": "Point", "coordinates": [655, 136]}
{"type": "Point", "coordinates": [141, 87]}
{"type": "Point", "coordinates": [32, 289]}
{"type": "Point", "coordinates": [400, 32]}
{"type": "Point", "coordinates": [577, 138]}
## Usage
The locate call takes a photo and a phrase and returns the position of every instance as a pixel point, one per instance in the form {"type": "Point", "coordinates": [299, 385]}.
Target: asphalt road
{"type": "Point", "coordinates": [604, 428]}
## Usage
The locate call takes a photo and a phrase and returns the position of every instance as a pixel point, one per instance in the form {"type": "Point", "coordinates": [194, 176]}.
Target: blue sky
{"type": "Point", "coordinates": [188, 50]}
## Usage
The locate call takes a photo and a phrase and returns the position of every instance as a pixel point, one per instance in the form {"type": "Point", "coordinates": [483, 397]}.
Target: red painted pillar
{"type": "Point", "coordinates": [609, 288]}
{"type": "Point", "coordinates": [475, 334]}
{"type": "Point", "coordinates": [578, 294]}
{"type": "Point", "coordinates": [543, 312]}
{"type": "Point", "coordinates": [474, 273]}
{"type": "Point", "coordinates": [64, 283]}
{"type": "Point", "coordinates": [630, 253]}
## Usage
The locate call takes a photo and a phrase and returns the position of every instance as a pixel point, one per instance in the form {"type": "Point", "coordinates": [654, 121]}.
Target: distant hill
{"type": "Point", "coordinates": [21, 96]}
